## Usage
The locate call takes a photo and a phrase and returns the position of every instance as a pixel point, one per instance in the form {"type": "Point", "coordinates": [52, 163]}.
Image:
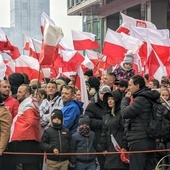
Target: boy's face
{"type": "Point", "coordinates": [56, 120]}
{"type": "Point", "coordinates": [122, 89]}
{"type": "Point", "coordinates": [127, 65]}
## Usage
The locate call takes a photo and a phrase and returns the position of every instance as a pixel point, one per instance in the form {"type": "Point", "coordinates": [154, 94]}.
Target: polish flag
{"type": "Point", "coordinates": [113, 47]}
{"type": "Point", "coordinates": [71, 59]}
{"type": "Point", "coordinates": [80, 83]}
{"type": "Point", "coordinates": [84, 40]}
{"type": "Point", "coordinates": [128, 21]}
{"type": "Point", "coordinates": [51, 38]}
{"type": "Point", "coordinates": [33, 46]}
{"type": "Point", "coordinates": [28, 65]}
{"type": "Point", "coordinates": [117, 44]}
{"type": "Point", "coordinates": [63, 45]}
{"type": "Point", "coordinates": [7, 47]}
{"type": "Point", "coordinates": [160, 44]}
{"type": "Point", "coordinates": [99, 60]}
{"type": "Point", "coordinates": [156, 68]}
{"type": "Point", "coordinates": [87, 64]}
{"type": "Point", "coordinates": [10, 67]}
{"type": "Point", "coordinates": [2, 68]}
{"type": "Point", "coordinates": [157, 47]}
{"type": "Point", "coordinates": [45, 17]}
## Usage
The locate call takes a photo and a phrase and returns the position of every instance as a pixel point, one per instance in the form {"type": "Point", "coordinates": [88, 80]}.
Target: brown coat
{"type": "Point", "coordinates": [5, 125]}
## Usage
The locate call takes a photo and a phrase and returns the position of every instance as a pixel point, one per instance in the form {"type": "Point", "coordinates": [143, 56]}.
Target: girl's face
{"type": "Point", "coordinates": [127, 65]}
{"type": "Point", "coordinates": [165, 94]}
{"type": "Point", "coordinates": [111, 102]}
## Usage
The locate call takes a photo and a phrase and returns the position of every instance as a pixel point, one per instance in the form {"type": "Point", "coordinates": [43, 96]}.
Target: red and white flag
{"type": "Point", "coordinates": [80, 83]}
{"type": "Point", "coordinates": [51, 38]}
{"type": "Point", "coordinates": [28, 65]}
{"type": "Point", "coordinates": [84, 40]}
{"type": "Point", "coordinates": [127, 22]}
{"type": "Point", "coordinates": [2, 68]}
{"type": "Point", "coordinates": [71, 59]}
{"type": "Point", "coordinates": [44, 17]}
{"type": "Point", "coordinates": [87, 64]}
{"type": "Point", "coordinates": [7, 47]}
{"type": "Point", "coordinates": [10, 67]}
{"type": "Point", "coordinates": [157, 49]}
{"type": "Point", "coordinates": [117, 44]}
{"type": "Point", "coordinates": [33, 46]}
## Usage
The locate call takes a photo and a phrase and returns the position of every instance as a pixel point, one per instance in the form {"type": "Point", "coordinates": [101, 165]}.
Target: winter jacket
{"type": "Point", "coordinates": [137, 114]}
{"type": "Point", "coordinates": [95, 112]}
{"type": "Point", "coordinates": [54, 138]}
{"type": "Point", "coordinates": [112, 125]}
{"type": "Point", "coordinates": [71, 112]}
{"type": "Point", "coordinates": [47, 106]}
{"type": "Point", "coordinates": [82, 144]}
{"type": "Point", "coordinates": [122, 73]}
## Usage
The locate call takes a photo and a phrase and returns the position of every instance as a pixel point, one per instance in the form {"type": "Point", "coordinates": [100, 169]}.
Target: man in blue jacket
{"type": "Point", "coordinates": [72, 109]}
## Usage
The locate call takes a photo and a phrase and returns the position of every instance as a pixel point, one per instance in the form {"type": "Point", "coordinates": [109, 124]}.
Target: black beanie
{"type": "Point", "coordinates": [15, 80]}
{"type": "Point", "coordinates": [57, 113]}
{"type": "Point", "coordinates": [84, 119]}
{"type": "Point", "coordinates": [88, 73]}
{"type": "Point", "coordinates": [94, 82]}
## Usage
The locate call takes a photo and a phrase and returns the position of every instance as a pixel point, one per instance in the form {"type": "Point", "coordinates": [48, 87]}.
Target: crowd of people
{"type": "Point", "coordinates": [48, 117]}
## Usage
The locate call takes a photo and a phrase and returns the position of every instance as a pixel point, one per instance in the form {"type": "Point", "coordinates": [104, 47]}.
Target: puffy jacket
{"type": "Point", "coordinates": [95, 111]}
{"type": "Point", "coordinates": [137, 114]}
{"type": "Point", "coordinates": [59, 139]}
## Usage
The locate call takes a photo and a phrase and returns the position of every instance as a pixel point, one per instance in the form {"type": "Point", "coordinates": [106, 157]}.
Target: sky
{"type": "Point", "coordinates": [58, 12]}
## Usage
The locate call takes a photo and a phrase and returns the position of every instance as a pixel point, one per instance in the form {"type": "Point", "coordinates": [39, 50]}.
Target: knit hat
{"type": "Point", "coordinates": [104, 89]}
{"type": "Point", "coordinates": [94, 82]}
{"type": "Point", "coordinates": [84, 119]}
{"type": "Point", "coordinates": [15, 80]}
{"type": "Point", "coordinates": [128, 57]}
{"type": "Point", "coordinates": [57, 114]}
{"type": "Point", "coordinates": [88, 73]}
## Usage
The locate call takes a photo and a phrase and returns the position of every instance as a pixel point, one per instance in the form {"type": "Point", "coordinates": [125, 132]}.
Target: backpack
{"type": "Point", "coordinates": [159, 125]}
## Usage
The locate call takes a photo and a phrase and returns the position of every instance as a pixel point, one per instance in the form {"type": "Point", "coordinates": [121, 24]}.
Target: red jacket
{"type": "Point", "coordinates": [12, 105]}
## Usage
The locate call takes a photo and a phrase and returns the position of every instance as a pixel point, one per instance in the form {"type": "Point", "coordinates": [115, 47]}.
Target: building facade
{"type": "Point", "coordinates": [25, 18]}
{"type": "Point", "coordinates": [102, 14]}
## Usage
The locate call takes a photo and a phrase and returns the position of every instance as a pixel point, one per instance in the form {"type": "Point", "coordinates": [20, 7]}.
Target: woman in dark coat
{"type": "Point", "coordinates": [113, 125]}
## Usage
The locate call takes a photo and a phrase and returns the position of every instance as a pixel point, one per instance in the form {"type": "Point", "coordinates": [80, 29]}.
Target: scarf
{"type": "Point", "coordinates": [84, 130]}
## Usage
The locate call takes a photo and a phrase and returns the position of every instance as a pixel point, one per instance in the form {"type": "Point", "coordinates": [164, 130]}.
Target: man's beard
{"type": "Point", "coordinates": [4, 96]}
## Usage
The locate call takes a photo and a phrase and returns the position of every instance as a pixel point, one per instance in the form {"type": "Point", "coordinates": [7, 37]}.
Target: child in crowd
{"type": "Point", "coordinates": [125, 70]}
{"type": "Point", "coordinates": [56, 139]}
{"type": "Point", "coordinates": [83, 141]}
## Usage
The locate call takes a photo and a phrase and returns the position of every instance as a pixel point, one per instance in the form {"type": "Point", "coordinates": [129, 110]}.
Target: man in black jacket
{"type": "Point", "coordinates": [137, 115]}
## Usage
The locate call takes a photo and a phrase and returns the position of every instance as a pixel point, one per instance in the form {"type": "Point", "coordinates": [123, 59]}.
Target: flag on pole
{"type": "Point", "coordinates": [7, 47]}
{"type": "Point", "coordinates": [80, 83]}
{"type": "Point", "coordinates": [51, 38]}
{"type": "Point", "coordinates": [127, 22]}
{"type": "Point", "coordinates": [33, 46]}
{"type": "Point", "coordinates": [28, 65]}
{"type": "Point", "coordinates": [84, 40]}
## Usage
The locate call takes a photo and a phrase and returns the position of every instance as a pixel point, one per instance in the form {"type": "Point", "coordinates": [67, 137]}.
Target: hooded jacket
{"type": "Point", "coordinates": [112, 125]}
